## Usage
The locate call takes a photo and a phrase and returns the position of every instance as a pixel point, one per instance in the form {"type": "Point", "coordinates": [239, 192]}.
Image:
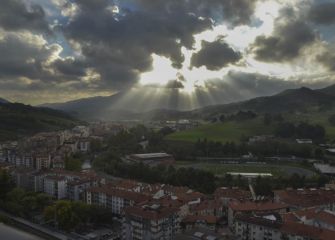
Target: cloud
{"type": "Point", "coordinates": [327, 57]}
{"type": "Point", "coordinates": [174, 84]}
{"type": "Point", "coordinates": [15, 15]}
{"type": "Point", "coordinates": [323, 13]}
{"type": "Point", "coordinates": [215, 55]}
{"type": "Point", "coordinates": [120, 46]}
{"type": "Point", "coordinates": [290, 36]}
{"type": "Point", "coordinates": [26, 55]}
{"type": "Point", "coordinates": [235, 12]}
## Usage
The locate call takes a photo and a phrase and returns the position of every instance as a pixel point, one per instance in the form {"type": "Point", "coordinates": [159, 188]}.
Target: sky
{"type": "Point", "coordinates": [193, 52]}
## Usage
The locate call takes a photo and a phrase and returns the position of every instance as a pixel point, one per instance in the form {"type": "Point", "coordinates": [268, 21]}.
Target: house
{"type": "Point", "coordinates": [209, 208]}
{"type": "Point", "coordinates": [77, 187]}
{"type": "Point", "coordinates": [312, 216]}
{"type": "Point", "coordinates": [251, 226]}
{"type": "Point", "coordinates": [200, 221]}
{"type": "Point", "coordinates": [150, 222]}
{"type": "Point", "coordinates": [249, 207]}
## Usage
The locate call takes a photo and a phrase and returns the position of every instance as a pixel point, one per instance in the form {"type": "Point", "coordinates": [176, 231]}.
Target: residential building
{"type": "Point", "coordinates": [76, 188]}
{"type": "Point", "coordinates": [114, 199]}
{"type": "Point", "coordinates": [257, 227]}
{"type": "Point", "coordinates": [201, 221]}
{"type": "Point", "coordinates": [42, 161]}
{"type": "Point", "coordinates": [249, 207]}
{"type": "Point", "coordinates": [55, 186]}
{"type": "Point", "coordinates": [150, 222]}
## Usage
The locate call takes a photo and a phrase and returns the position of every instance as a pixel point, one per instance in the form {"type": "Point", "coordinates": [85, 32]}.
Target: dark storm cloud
{"type": "Point", "coordinates": [70, 67]}
{"type": "Point", "coordinates": [236, 12]}
{"type": "Point", "coordinates": [215, 55]}
{"type": "Point", "coordinates": [291, 34]}
{"type": "Point", "coordinates": [327, 59]}
{"type": "Point", "coordinates": [323, 13]}
{"type": "Point", "coordinates": [28, 63]}
{"type": "Point", "coordinates": [15, 15]}
{"type": "Point", "coordinates": [21, 58]}
{"type": "Point", "coordinates": [174, 84]}
{"type": "Point", "coordinates": [121, 47]}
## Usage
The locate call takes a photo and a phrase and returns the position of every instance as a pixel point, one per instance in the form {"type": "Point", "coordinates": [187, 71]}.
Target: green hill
{"type": "Point", "coordinates": [236, 130]}
{"type": "Point", "coordinates": [223, 132]}
{"type": "Point", "coordinates": [20, 120]}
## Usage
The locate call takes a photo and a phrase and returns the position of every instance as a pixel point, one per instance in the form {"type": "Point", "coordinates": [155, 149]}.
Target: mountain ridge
{"type": "Point", "coordinates": [22, 120]}
{"type": "Point", "coordinates": [288, 100]}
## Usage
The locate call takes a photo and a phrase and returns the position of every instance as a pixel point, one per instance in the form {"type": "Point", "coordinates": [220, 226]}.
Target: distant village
{"type": "Point", "coordinates": [162, 211]}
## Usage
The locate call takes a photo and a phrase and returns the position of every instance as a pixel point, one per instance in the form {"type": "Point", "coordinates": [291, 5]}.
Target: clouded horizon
{"type": "Point", "coordinates": [187, 50]}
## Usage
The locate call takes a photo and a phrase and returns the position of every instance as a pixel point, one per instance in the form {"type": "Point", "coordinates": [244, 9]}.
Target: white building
{"type": "Point", "coordinates": [55, 186]}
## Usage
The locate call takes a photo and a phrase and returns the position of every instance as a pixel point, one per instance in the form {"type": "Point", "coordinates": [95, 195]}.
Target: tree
{"type": "Point", "coordinates": [6, 184]}
{"type": "Point", "coordinates": [66, 215]}
{"type": "Point", "coordinates": [267, 119]}
{"type": "Point", "coordinates": [73, 164]}
{"type": "Point", "coordinates": [331, 119]}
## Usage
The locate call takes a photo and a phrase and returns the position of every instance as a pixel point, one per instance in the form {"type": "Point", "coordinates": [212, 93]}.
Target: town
{"type": "Point", "coordinates": [57, 167]}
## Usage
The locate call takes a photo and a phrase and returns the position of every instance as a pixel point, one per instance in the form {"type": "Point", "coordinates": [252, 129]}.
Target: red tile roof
{"type": "Point", "coordinates": [194, 219]}
{"type": "Point", "coordinates": [256, 206]}
{"type": "Point", "coordinates": [151, 213]}
{"type": "Point", "coordinates": [310, 214]}
{"type": "Point", "coordinates": [305, 198]}
{"type": "Point", "coordinates": [232, 193]}
{"type": "Point", "coordinates": [307, 231]}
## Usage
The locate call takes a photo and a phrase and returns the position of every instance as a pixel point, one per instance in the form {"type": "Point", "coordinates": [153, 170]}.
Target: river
{"type": "Point", "coordinates": [10, 233]}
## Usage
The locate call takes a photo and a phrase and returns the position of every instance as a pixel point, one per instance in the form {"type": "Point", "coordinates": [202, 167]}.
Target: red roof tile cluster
{"type": "Point", "coordinates": [151, 212]}
{"type": "Point", "coordinates": [307, 231]}
{"type": "Point", "coordinates": [256, 206]}
{"type": "Point", "coordinates": [306, 198]}
{"type": "Point", "coordinates": [194, 219]}
{"type": "Point", "coordinates": [208, 205]}
{"type": "Point", "coordinates": [310, 214]}
{"type": "Point", "coordinates": [232, 193]}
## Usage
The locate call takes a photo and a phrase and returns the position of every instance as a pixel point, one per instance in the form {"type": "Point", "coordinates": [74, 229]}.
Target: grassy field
{"type": "Point", "coordinates": [234, 131]}
{"type": "Point", "coordinates": [276, 170]}
{"type": "Point", "coordinates": [223, 132]}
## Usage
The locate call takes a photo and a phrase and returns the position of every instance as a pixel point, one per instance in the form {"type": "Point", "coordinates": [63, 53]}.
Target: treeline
{"type": "Point", "coordinates": [69, 216]}
{"type": "Point", "coordinates": [18, 201]}
{"type": "Point", "coordinates": [127, 142]}
{"type": "Point", "coordinates": [197, 179]}
{"type": "Point", "coordinates": [239, 116]}
{"type": "Point", "coordinates": [264, 186]}
{"type": "Point", "coordinates": [301, 130]}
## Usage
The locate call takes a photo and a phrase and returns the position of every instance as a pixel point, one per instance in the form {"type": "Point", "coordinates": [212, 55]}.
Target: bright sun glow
{"type": "Point", "coordinates": [239, 38]}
